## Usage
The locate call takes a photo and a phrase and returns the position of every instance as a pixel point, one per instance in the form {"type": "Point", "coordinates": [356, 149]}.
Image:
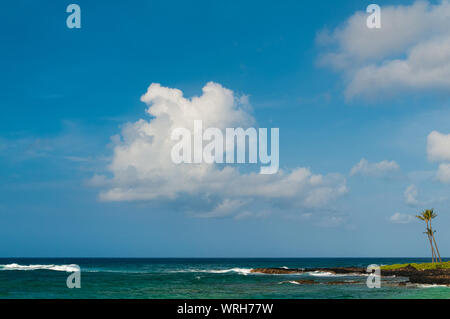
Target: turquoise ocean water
{"type": "Point", "coordinates": [197, 278]}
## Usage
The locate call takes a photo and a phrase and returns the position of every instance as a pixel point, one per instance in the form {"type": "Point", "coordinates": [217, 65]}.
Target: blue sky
{"type": "Point", "coordinates": [340, 93]}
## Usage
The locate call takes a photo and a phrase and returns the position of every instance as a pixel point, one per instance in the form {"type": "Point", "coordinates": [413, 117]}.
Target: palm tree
{"type": "Point", "coordinates": [432, 215]}
{"type": "Point", "coordinates": [426, 217]}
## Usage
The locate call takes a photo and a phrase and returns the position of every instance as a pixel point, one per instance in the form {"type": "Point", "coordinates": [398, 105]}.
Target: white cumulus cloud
{"type": "Point", "coordinates": [142, 169]}
{"type": "Point", "coordinates": [410, 51]}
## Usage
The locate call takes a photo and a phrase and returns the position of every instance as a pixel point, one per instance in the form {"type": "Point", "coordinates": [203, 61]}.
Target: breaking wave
{"type": "Point", "coordinates": [242, 271]}
{"type": "Point", "coordinates": [330, 274]}
{"type": "Point", "coordinates": [67, 268]}
{"type": "Point", "coordinates": [431, 286]}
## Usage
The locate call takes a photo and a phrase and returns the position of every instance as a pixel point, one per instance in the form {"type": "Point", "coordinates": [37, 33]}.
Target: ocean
{"type": "Point", "coordinates": [187, 278]}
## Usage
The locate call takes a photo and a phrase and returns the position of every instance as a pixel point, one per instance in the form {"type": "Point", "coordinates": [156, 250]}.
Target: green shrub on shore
{"type": "Point", "coordinates": [421, 266]}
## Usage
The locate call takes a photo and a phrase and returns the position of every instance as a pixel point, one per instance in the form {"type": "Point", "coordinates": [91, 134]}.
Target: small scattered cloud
{"type": "Point", "coordinates": [443, 173]}
{"type": "Point", "coordinates": [438, 150]}
{"type": "Point", "coordinates": [438, 146]}
{"type": "Point", "coordinates": [365, 168]}
{"type": "Point", "coordinates": [398, 218]}
{"type": "Point", "coordinates": [410, 195]}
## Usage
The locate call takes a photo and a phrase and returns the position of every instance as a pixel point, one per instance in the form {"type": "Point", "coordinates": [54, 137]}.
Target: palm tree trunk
{"type": "Point", "coordinates": [432, 250]}
{"type": "Point", "coordinates": [434, 240]}
{"type": "Point", "coordinates": [437, 250]}
{"type": "Point", "coordinates": [431, 244]}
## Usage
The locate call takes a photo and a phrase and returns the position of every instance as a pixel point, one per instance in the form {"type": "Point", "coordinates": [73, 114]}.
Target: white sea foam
{"type": "Point", "coordinates": [321, 274]}
{"type": "Point", "coordinates": [318, 273]}
{"type": "Point", "coordinates": [431, 286]}
{"type": "Point", "coordinates": [242, 271]}
{"type": "Point", "coordinates": [67, 268]}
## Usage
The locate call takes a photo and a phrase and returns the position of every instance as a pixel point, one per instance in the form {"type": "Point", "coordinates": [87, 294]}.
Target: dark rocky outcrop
{"type": "Point", "coordinates": [429, 276]}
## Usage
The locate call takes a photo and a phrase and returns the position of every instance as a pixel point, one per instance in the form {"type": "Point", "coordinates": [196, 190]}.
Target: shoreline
{"type": "Point", "coordinates": [415, 276]}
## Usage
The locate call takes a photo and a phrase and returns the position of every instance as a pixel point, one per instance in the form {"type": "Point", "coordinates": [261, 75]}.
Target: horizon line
{"type": "Point", "coordinates": [40, 257]}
